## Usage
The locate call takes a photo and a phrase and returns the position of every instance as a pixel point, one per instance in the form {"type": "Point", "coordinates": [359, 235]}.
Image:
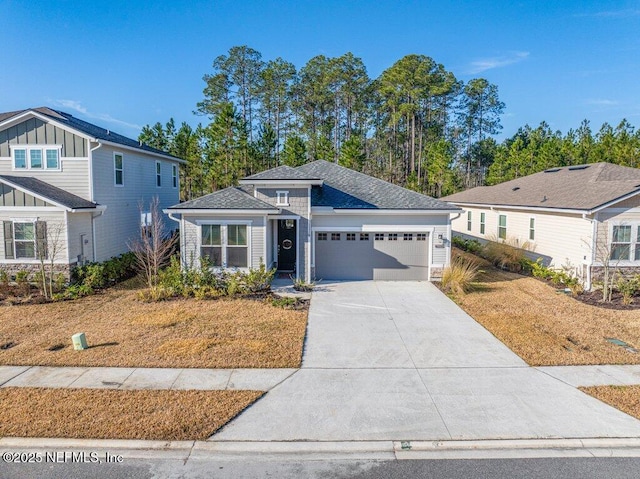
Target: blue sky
{"type": "Point", "coordinates": [123, 64]}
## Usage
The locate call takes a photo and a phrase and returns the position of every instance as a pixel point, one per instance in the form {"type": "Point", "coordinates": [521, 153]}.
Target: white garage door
{"type": "Point", "coordinates": [382, 256]}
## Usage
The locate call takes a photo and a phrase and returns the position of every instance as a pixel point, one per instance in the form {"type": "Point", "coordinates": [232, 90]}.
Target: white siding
{"type": "Point", "coordinates": [560, 238]}
{"type": "Point", "coordinates": [121, 221]}
{"type": "Point", "coordinates": [72, 177]}
{"type": "Point", "coordinates": [79, 224]}
{"type": "Point", "coordinates": [191, 238]}
{"type": "Point", "coordinates": [625, 212]}
{"type": "Point", "coordinates": [56, 231]}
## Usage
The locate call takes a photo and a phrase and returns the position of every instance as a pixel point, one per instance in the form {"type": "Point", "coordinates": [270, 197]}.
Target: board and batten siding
{"type": "Point", "coordinates": [120, 223]}
{"type": "Point", "coordinates": [191, 237]}
{"type": "Point", "coordinates": [560, 238]}
{"type": "Point", "coordinates": [438, 256]}
{"type": "Point", "coordinates": [34, 131]}
{"type": "Point", "coordinates": [298, 206]}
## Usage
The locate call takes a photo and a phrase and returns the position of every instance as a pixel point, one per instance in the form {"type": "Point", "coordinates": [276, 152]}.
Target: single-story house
{"type": "Point", "coordinates": [578, 217]}
{"type": "Point", "coordinates": [318, 221]}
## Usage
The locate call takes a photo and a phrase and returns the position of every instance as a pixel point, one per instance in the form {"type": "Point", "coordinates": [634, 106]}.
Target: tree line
{"type": "Point", "coordinates": [415, 125]}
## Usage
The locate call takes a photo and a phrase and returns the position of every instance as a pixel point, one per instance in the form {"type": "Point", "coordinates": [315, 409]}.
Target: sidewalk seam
{"type": "Point", "coordinates": [13, 377]}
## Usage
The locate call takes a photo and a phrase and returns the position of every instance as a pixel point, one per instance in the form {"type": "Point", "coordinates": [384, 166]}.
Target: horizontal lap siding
{"type": "Point", "coordinates": [120, 223]}
{"type": "Point", "coordinates": [80, 224]}
{"type": "Point", "coordinates": [191, 232]}
{"type": "Point", "coordinates": [560, 238]}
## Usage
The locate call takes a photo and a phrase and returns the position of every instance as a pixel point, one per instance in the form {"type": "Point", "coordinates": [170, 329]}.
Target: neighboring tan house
{"type": "Point", "coordinates": [575, 216]}
{"type": "Point", "coordinates": [318, 221]}
{"type": "Point", "coordinates": [71, 186]}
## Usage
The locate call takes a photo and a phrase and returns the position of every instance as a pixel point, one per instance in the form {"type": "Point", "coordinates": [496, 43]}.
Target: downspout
{"type": "Point", "coordinates": [593, 247]}
{"type": "Point", "coordinates": [181, 228]}
{"type": "Point", "coordinates": [91, 198]}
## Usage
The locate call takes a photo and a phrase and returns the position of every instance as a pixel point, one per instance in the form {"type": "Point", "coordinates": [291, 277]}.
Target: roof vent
{"type": "Point", "coordinates": [580, 167]}
{"type": "Point", "coordinates": [544, 199]}
{"type": "Point", "coordinates": [515, 188]}
{"type": "Point", "coordinates": [108, 133]}
{"type": "Point", "coordinates": [552, 170]}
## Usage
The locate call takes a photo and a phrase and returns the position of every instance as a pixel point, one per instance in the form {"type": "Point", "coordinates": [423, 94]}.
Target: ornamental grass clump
{"type": "Point", "coordinates": [460, 275]}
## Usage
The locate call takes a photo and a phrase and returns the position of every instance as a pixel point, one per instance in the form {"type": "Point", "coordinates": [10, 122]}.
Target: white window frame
{"type": "Point", "coordinates": [532, 228]}
{"type": "Point", "coordinates": [43, 152]}
{"type": "Point", "coordinates": [469, 222]}
{"type": "Point", "coordinates": [158, 174]}
{"type": "Point", "coordinates": [634, 242]}
{"type": "Point", "coordinates": [282, 198]}
{"type": "Point", "coordinates": [174, 176]}
{"type": "Point", "coordinates": [15, 241]}
{"type": "Point", "coordinates": [483, 222]}
{"type": "Point", "coordinates": [115, 169]}
{"type": "Point", "coordinates": [505, 227]}
{"type": "Point", "coordinates": [224, 238]}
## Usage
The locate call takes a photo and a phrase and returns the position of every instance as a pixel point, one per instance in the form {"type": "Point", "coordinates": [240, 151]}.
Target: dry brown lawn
{"type": "Point", "coordinates": [545, 327]}
{"type": "Point", "coordinates": [625, 398]}
{"type": "Point", "coordinates": [114, 414]}
{"type": "Point", "coordinates": [183, 333]}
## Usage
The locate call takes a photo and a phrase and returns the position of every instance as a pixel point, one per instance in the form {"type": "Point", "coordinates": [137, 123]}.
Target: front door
{"type": "Point", "coordinates": [287, 245]}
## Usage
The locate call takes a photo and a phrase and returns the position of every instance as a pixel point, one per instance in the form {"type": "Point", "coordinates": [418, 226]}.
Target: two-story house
{"type": "Point", "coordinates": [73, 192]}
{"type": "Point", "coordinates": [318, 221]}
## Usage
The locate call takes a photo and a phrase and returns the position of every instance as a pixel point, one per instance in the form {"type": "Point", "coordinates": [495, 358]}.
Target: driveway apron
{"type": "Point", "coordinates": [400, 360]}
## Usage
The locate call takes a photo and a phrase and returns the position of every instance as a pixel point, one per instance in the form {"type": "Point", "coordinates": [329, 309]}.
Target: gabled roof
{"type": "Point", "coordinates": [580, 187]}
{"type": "Point", "coordinates": [89, 129]}
{"type": "Point", "coordinates": [344, 188]}
{"type": "Point", "coordinates": [286, 173]}
{"type": "Point", "coordinates": [48, 192]}
{"type": "Point", "coordinates": [231, 198]}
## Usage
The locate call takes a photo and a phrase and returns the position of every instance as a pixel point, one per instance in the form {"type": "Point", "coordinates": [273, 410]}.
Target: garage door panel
{"type": "Point", "coordinates": [371, 259]}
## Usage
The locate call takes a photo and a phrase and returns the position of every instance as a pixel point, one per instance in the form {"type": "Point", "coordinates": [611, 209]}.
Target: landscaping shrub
{"type": "Point", "coordinates": [556, 277]}
{"type": "Point", "coordinates": [459, 276]}
{"type": "Point", "coordinates": [628, 287]}
{"type": "Point", "coordinates": [470, 245]}
{"type": "Point", "coordinates": [107, 273]}
{"type": "Point", "coordinates": [300, 284]}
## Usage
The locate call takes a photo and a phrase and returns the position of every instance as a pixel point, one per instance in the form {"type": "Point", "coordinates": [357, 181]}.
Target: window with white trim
{"type": "Point", "coordinates": [482, 223]}
{"type": "Point", "coordinates": [282, 198]}
{"type": "Point", "coordinates": [225, 245]}
{"type": "Point", "coordinates": [158, 174]}
{"type": "Point", "coordinates": [36, 157]}
{"type": "Point", "coordinates": [621, 243]}
{"type": "Point", "coordinates": [502, 227]}
{"type": "Point", "coordinates": [468, 220]}
{"type": "Point", "coordinates": [174, 175]}
{"type": "Point", "coordinates": [532, 229]}
{"type": "Point", "coordinates": [24, 239]}
{"type": "Point", "coordinates": [118, 169]}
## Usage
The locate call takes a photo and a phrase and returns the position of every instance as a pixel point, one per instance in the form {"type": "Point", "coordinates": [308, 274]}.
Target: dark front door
{"type": "Point", "coordinates": [287, 245]}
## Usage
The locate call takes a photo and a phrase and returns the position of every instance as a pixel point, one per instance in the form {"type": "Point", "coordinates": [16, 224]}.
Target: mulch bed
{"type": "Point", "coordinates": [115, 414]}
{"type": "Point", "coordinates": [594, 298]}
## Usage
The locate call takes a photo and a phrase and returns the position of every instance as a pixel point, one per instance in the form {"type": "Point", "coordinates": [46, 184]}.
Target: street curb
{"type": "Point", "coordinates": [337, 450]}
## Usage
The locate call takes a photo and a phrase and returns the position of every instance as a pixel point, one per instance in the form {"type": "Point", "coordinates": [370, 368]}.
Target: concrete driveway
{"type": "Point", "coordinates": [399, 360]}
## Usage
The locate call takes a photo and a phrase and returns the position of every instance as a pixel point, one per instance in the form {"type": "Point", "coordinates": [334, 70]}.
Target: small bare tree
{"type": "Point", "coordinates": [603, 256]}
{"type": "Point", "coordinates": [49, 244]}
{"type": "Point", "coordinates": [153, 247]}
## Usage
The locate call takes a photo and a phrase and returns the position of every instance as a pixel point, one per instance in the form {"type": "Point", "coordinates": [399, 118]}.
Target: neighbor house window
{"type": "Point", "coordinates": [351, 236]}
{"type": "Point", "coordinates": [621, 243]}
{"type": "Point", "coordinates": [225, 245]}
{"type": "Point", "coordinates": [322, 236]}
{"type": "Point", "coordinates": [24, 237]}
{"type": "Point", "coordinates": [282, 198]}
{"type": "Point", "coordinates": [364, 236]}
{"type": "Point", "coordinates": [532, 229]}
{"type": "Point", "coordinates": [118, 169]}
{"type": "Point", "coordinates": [174, 175]}
{"type": "Point", "coordinates": [468, 220]}
{"type": "Point", "coordinates": [502, 227]}
{"type": "Point", "coordinates": [158, 174]}
{"type": "Point", "coordinates": [482, 223]}
{"type": "Point", "coordinates": [36, 157]}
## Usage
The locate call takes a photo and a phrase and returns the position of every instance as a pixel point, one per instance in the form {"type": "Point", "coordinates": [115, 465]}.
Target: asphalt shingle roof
{"type": "Point", "coordinates": [344, 188]}
{"type": "Point", "coordinates": [231, 198]}
{"type": "Point", "coordinates": [282, 173]}
{"type": "Point", "coordinates": [50, 192]}
{"type": "Point", "coordinates": [580, 187]}
{"type": "Point", "coordinates": [87, 128]}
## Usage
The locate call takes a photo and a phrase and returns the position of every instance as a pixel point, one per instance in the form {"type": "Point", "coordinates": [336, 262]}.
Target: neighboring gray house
{"type": "Point", "coordinates": [69, 185]}
{"type": "Point", "coordinates": [575, 216]}
{"type": "Point", "coordinates": [318, 221]}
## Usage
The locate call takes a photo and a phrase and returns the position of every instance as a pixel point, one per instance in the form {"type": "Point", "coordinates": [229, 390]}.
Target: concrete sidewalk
{"type": "Point", "coordinates": [142, 378]}
{"type": "Point", "coordinates": [602, 375]}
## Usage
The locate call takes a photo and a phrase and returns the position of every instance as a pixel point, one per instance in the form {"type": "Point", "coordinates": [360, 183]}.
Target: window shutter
{"type": "Point", "coordinates": [41, 240]}
{"type": "Point", "coordinates": [8, 240]}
